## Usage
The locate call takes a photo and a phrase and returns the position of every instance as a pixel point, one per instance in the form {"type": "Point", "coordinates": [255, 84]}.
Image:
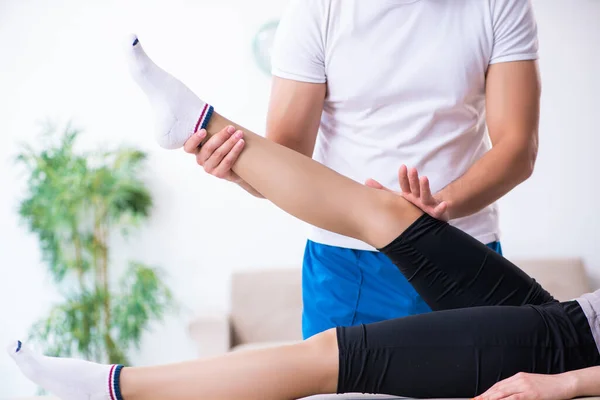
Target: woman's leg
{"type": "Point", "coordinates": [316, 194]}
{"type": "Point", "coordinates": [294, 182]}
{"type": "Point", "coordinates": [448, 268]}
{"type": "Point", "coordinates": [288, 372]}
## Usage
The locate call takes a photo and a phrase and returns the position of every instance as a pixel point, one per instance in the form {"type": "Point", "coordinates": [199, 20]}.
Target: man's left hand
{"type": "Point", "coordinates": [417, 191]}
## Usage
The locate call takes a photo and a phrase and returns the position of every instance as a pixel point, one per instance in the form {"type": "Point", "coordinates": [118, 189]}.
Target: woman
{"type": "Point", "coordinates": [491, 320]}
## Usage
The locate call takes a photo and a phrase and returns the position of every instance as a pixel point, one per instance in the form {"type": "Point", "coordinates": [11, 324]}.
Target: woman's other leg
{"type": "Point", "coordinates": [454, 353]}
{"type": "Point", "coordinates": [287, 372]}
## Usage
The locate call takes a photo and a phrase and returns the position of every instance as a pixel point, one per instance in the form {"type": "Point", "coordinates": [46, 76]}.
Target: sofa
{"type": "Point", "coordinates": [266, 307]}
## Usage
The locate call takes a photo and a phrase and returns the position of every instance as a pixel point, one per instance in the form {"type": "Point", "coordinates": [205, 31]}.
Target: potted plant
{"type": "Point", "coordinates": [75, 202]}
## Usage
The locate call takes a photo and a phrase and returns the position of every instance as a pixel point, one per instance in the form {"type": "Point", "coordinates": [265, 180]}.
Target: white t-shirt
{"type": "Point", "coordinates": [590, 304]}
{"type": "Point", "coordinates": [405, 85]}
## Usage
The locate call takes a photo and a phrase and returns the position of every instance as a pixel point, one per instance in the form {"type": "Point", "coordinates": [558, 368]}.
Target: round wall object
{"type": "Point", "coordinates": [263, 44]}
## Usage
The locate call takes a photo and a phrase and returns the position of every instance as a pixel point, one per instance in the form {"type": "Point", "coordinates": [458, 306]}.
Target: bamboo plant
{"type": "Point", "coordinates": [76, 203]}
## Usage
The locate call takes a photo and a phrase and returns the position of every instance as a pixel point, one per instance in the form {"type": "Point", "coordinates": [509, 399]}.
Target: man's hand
{"type": "Point", "coordinates": [523, 386]}
{"type": "Point", "coordinates": [418, 192]}
{"type": "Point", "coordinates": [219, 152]}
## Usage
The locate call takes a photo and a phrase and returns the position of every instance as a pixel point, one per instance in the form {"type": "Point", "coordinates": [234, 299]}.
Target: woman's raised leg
{"type": "Point", "coordinates": [294, 182]}
{"type": "Point", "coordinates": [318, 195]}
{"type": "Point", "coordinates": [447, 267]}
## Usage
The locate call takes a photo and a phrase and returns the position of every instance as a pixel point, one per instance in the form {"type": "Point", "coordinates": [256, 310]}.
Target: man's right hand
{"type": "Point", "coordinates": [417, 191]}
{"type": "Point", "coordinates": [219, 153]}
{"type": "Point", "coordinates": [294, 115]}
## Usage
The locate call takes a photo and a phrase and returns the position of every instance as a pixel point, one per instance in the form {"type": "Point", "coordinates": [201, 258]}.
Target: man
{"type": "Point", "coordinates": [391, 82]}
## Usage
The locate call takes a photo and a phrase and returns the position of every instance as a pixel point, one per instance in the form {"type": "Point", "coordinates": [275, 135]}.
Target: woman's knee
{"type": "Point", "coordinates": [325, 341]}
{"type": "Point", "coordinates": [389, 216]}
{"type": "Point", "coordinates": [325, 348]}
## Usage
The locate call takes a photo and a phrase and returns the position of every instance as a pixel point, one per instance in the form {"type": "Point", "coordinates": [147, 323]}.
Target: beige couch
{"type": "Point", "coordinates": [266, 309]}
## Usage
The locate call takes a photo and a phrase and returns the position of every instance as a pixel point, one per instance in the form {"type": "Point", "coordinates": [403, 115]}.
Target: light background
{"type": "Point", "coordinates": [63, 60]}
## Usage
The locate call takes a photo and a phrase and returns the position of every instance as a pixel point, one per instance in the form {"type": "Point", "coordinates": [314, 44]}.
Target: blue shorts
{"type": "Point", "coordinates": [346, 287]}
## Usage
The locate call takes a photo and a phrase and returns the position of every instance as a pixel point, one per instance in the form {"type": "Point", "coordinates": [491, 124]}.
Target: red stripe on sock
{"type": "Point", "coordinates": [111, 389]}
{"type": "Point", "coordinates": [201, 117]}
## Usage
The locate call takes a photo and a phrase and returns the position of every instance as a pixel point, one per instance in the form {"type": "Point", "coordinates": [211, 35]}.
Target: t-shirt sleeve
{"type": "Point", "coordinates": [298, 51]}
{"type": "Point", "coordinates": [515, 31]}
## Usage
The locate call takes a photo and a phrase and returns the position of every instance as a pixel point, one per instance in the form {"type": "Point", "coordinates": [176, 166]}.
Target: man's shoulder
{"type": "Point", "coordinates": [503, 7]}
{"type": "Point", "coordinates": [313, 5]}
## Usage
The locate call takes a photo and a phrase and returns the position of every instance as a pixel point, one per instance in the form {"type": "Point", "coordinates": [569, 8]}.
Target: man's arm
{"type": "Point", "coordinates": [294, 114]}
{"type": "Point", "coordinates": [512, 107]}
{"type": "Point", "coordinates": [293, 118]}
{"type": "Point", "coordinates": [513, 101]}
{"type": "Point", "coordinates": [297, 92]}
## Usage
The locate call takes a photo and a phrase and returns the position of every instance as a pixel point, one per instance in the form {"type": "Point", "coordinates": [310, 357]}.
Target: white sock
{"type": "Point", "coordinates": [178, 111]}
{"type": "Point", "coordinates": [67, 378]}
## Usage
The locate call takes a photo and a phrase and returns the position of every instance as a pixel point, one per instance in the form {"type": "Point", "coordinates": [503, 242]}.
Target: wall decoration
{"type": "Point", "coordinates": [262, 45]}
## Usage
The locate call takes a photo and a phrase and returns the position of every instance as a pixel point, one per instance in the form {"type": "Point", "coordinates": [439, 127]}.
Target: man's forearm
{"type": "Point", "coordinates": [491, 177]}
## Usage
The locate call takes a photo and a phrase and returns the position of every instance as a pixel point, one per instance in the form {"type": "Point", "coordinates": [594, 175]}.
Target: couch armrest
{"type": "Point", "coordinates": [212, 334]}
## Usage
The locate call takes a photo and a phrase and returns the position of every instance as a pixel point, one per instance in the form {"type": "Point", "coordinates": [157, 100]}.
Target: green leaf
{"type": "Point", "coordinates": [143, 297]}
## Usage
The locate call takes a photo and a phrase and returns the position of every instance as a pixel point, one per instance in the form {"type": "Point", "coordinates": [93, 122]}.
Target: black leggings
{"type": "Point", "coordinates": [492, 320]}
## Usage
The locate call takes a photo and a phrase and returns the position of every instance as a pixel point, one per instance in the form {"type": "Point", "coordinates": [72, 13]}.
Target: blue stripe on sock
{"type": "Point", "coordinates": [135, 42]}
{"type": "Point", "coordinates": [117, 382]}
{"type": "Point", "coordinates": [19, 344]}
{"type": "Point", "coordinates": [209, 113]}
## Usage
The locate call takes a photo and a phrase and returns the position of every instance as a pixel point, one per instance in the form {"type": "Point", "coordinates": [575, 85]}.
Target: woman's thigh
{"type": "Point", "coordinates": [463, 352]}
{"type": "Point", "coordinates": [450, 269]}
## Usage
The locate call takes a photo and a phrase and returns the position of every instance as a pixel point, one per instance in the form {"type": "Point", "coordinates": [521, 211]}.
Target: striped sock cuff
{"type": "Point", "coordinates": [114, 385]}
{"type": "Point", "coordinates": [205, 115]}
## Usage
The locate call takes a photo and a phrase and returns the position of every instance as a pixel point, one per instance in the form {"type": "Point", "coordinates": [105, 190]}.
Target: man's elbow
{"type": "Point", "coordinates": [527, 171]}
{"type": "Point", "coordinates": [526, 161]}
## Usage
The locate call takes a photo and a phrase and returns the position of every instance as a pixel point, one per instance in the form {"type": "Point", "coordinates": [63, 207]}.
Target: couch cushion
{"type": "Point", "coordinates": [564, 278]}
{"type": "Point", "coordinates": [266, 306]}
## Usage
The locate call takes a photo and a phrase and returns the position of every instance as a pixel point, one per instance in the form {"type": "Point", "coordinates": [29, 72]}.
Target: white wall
{"type": "Point", "coordinates": [64, 61]}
